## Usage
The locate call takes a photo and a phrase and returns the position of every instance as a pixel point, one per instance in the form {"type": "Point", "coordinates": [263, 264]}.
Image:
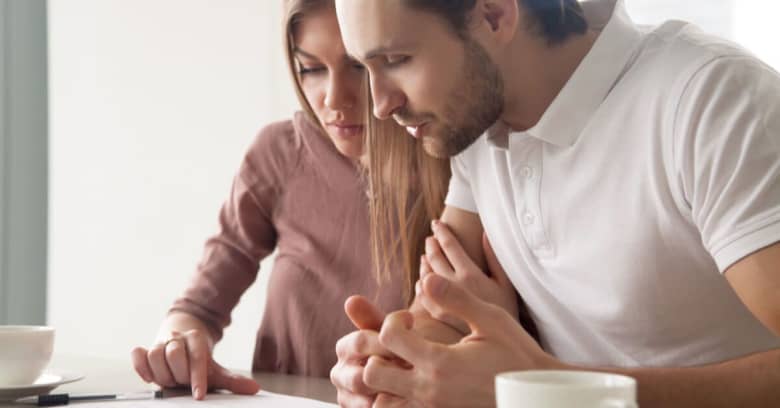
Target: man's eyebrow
{"type": "Point", "coordinates": [376, 52]}
{"type": "Point", "coordinates": [385, 49]}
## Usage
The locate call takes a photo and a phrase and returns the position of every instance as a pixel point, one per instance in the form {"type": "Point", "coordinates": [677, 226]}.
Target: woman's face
{"type": "Point", "coordinates": [331, 81]}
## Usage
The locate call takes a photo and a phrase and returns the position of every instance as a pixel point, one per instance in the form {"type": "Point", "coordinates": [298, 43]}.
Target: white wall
{"type": "Point", "coordinates": [152, 105]}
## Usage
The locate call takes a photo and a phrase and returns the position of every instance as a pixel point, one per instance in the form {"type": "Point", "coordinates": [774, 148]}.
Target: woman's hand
{"type": "Point", "coordinates": [185, 359]}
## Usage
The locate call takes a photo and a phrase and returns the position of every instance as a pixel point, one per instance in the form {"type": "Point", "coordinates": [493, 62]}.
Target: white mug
{"type": "Point", "coordinates": [25, 352]}
{"type": "Point", "coordinates": [564, 389]}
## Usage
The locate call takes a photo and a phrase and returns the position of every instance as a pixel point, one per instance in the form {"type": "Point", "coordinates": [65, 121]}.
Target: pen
{"type": "Point", "coordinates": [51, 400]}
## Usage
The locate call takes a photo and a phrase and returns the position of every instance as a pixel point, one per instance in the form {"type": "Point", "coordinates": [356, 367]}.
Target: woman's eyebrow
{"type": "Point", "coordinates": [297, 50]}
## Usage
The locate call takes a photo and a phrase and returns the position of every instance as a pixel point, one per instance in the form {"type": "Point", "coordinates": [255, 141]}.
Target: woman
{"type": "Point", "coordinates": [300, 190]}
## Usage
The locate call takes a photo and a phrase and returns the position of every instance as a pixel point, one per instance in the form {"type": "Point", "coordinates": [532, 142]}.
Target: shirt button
{"type": "Point", "coordinates": [528, 218]}
{"type": "Point", "coordinates": [527, 172]}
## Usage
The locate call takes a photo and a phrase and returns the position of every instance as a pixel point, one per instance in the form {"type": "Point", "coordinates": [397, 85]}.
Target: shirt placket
{"type": "Point", "coordinates": [525, 165]}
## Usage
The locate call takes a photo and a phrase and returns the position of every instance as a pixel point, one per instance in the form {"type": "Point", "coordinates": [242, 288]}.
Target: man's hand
{"type": "Point", "coordinates": [445, 256]}
{"type": "Point", "coordinates": [354, 350]}
{"type": "Point", "coordinates": [361, 348]}
{"type": "Point", "coordinates": [458, 375]}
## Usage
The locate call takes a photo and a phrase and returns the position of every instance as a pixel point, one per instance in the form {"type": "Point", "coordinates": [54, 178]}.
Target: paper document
{"type": "Point", "coordinates": [263, 399]}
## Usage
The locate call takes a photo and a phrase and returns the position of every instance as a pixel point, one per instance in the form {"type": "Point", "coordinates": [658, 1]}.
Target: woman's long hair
{"type": "Point", "coordinates": [294, 11]}
{"type": "Point", "coordinates": [406, 187]}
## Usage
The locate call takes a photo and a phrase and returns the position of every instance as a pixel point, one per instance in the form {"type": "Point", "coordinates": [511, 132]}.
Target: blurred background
{"type": "Point", "coordinates": [121, 126]}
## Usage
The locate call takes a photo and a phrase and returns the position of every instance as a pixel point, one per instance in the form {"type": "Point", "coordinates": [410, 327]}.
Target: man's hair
{"type": "Point", "coordinates": [555, 20]}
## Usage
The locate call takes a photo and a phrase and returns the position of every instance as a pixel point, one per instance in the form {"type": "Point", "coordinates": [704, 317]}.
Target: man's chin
{"type": "Point", "coordinates": [435, 147]}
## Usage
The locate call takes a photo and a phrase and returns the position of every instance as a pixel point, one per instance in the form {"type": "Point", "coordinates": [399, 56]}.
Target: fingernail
{"type": "Point", "coordinates": [418, 288]}
{"type": "Point", "coordinates": [434, 224]}
{"type": "Point", "coordinates": [196, 393]}
{"type": "Point", "coordinates": [435, 285]}
{"type": "Point", "coordinates": [429, 245]}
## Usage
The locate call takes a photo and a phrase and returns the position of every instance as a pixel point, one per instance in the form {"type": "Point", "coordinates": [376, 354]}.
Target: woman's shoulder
{"type": "Point", "coordinates": [272, 154]}
{"type": "Point", "coordinates": [278, 145]}
{"type": "Point", "coordinates": [285, 137]}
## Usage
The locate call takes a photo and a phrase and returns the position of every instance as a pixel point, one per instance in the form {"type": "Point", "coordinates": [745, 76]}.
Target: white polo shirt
{"type": "Point", "coordinates": [654, 170]}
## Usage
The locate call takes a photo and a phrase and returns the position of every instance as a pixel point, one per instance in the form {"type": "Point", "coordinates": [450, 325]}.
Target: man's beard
{"type": "Point", "coordinates": [476, 103]}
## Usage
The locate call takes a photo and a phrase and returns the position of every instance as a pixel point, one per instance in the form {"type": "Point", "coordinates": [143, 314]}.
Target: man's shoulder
{"type": "Point", "coordinates": [676, 51]}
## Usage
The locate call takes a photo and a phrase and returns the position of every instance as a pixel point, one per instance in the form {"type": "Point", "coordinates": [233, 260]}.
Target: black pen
{"type": "Point", "coordinates": [51, 400]}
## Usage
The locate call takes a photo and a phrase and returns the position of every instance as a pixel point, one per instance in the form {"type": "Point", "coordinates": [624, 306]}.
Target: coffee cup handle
{"type": "Point", "coordinates": [616, 403]}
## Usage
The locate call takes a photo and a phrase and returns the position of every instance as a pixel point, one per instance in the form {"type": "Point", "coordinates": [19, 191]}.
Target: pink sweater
{"type": "Point", "coordinates": [294, 193]}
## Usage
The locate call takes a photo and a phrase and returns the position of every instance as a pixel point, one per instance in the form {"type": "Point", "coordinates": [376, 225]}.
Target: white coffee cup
{"type": "Point", "coordinates": [25, 352]}
{"type": "Point", "coordinates": [564, 389]}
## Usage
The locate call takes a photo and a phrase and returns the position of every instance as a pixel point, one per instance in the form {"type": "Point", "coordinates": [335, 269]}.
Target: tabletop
{"type": "Point", "coordinates": [117, 376]}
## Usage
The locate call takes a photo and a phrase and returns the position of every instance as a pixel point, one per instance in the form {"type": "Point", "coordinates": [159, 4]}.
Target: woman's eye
{"type": "Point", "coordinates": [310, 70]}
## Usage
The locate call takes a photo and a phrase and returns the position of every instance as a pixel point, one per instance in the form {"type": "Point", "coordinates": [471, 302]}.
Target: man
{"type": "Point", "coordinates": [627, 178]}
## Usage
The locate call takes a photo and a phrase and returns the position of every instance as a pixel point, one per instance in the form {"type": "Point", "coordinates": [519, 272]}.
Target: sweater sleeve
{"type": "Point", "coordinates": [246, 234]}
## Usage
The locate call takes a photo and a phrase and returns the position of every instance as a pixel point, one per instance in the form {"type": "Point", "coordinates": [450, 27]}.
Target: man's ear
{"type": "Point", "coordinates": [495, 21]}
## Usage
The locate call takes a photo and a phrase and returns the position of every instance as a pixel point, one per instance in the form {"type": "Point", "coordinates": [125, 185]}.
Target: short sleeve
{"type": "Point", "coordinates": [727, 142]}
{"type": "Point", "coordinates": [460, 194]}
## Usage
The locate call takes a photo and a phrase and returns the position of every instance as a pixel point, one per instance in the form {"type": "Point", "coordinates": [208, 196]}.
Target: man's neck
{"type": "Point", "coordinates": [536, 74]}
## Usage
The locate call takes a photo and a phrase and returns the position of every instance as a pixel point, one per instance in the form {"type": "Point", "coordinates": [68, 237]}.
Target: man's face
{"type": "Point", "coordinates": [443, 89]}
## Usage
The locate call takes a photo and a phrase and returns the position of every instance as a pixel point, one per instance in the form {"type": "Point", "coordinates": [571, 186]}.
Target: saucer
{"type": "Point", "coordinates": [48, 381]}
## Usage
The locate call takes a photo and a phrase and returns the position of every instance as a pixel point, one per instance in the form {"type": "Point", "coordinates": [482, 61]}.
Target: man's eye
{"type": "Point", "coordinates": [392, 60]}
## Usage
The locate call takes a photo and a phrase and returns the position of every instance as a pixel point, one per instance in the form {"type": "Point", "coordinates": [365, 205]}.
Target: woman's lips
{"type": "Point", "coordinates": [346, 130]}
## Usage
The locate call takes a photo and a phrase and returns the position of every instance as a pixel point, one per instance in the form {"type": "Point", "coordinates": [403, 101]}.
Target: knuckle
{"type": "Point", "coordinates": [337, 374]}
{"type": "Point", "coordinates": [174, 351]}
{"type": "Point", "coordinates": [194, 333]}
{"type": "Point", "coordinates": [385, 336]}
{"type": "Point", "coordinates": [341, 346]}
{"type": "Point", "coordinates": [371, 374]}
{"type": "Point", "coordinates": [157, 353]}
{"type": "Point", "coordinates": [496, 314]}
{"type": "Point", "coordinates": [334, 374]}
{"type": "Point", "coordinates": [342, 399]}
{"type": "Point", "coordinates": [137, 355]}
{"type": "Point", "coordinates": [356, 383]}
{"type": "Point", "coordinates": [360, 343]}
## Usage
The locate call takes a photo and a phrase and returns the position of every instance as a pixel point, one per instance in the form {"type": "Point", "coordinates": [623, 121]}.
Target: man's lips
{"type": "Point", "coordinates": [415, 130]}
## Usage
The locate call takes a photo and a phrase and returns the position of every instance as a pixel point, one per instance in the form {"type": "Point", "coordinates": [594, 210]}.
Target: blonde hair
{"type": "Point", "coordinates": [406, 187]}
{"type": "Point", "coordinates": [294, 11]}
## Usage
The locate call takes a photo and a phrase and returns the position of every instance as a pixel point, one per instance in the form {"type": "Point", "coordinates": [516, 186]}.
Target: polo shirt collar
{"type": "Point", "coordinates": [566, 118]}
